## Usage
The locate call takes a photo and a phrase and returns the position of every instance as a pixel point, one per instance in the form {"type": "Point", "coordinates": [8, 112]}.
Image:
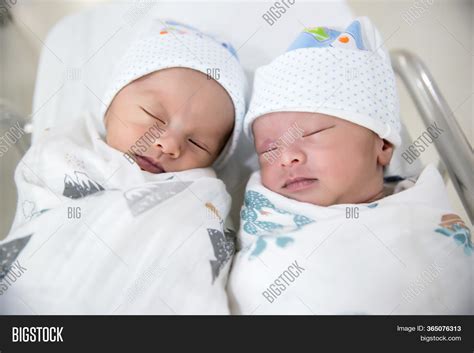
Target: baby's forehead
{"type": "Point", "coordinates": [285, 121]}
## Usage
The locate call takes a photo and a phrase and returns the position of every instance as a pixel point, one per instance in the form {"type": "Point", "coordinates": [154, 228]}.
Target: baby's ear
{"type": "Point", "coordinates": [384, 152]}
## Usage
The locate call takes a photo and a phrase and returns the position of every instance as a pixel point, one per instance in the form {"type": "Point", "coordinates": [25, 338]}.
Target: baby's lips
{"type": "Point", "coordinates": [301, 180]}
{"type": "Point", "coordinates": [149, 165]}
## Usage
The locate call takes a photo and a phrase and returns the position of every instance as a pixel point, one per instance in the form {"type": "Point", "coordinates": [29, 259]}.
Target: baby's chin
{"type": "Point", "coordinates": [323, 199]}
{"type": "Point", "coordinates": [312, 199]}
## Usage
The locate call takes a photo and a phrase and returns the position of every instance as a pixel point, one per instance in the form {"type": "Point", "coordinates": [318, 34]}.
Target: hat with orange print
{"type": "Point", "coordinates": [346, 74]}
{"type": "Point", "coordinates": [166, 44]}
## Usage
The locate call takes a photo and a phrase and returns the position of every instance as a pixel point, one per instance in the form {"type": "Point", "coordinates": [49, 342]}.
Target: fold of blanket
{"type": "Point", "coordinates": [404, 254]}
{"type": "Point", "coordinates": [93, 234]}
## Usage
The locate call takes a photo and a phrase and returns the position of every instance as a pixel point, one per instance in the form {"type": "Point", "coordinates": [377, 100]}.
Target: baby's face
{"type": "Point", "coordinates": [331, 161]}
{"type": "Point", "coordinates": [186, 117]}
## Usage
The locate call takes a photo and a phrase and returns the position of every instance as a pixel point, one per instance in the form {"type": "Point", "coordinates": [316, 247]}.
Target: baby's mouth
{"type": "Point", "coordinates": [300, 183]}
{"type": "Point", "coordinates": [146, 163]}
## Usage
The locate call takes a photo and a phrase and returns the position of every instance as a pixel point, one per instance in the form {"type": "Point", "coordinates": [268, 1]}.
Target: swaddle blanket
{"type": "Point", "coordinates": [404, 254]}
{"type": "Point", "coordinates": [93, 234]}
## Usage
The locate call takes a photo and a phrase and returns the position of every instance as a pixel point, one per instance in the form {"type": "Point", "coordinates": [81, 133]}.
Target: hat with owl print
{"type": "Point", "coordinates": [346, 74]}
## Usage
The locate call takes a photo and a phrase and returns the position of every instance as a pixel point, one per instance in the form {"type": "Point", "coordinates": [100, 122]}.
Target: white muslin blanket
{"type": "Point", "coordinates": [404, 254]}
{"type": "Point", "coordinates": [94, 234]}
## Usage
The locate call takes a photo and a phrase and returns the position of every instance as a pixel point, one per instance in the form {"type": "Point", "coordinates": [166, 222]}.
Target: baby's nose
{"type": "Point", "coordinates": [168, 145]}
{"type": "Point", "coordinates": [291, 157]}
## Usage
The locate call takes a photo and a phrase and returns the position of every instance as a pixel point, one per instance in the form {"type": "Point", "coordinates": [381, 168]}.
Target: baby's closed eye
{"type": "Point", "coordinates": [317, 131]}
{"type": "Point", "coordinates": [155, 116]}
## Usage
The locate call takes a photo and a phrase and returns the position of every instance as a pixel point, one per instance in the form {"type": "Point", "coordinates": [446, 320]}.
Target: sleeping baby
{"type": "Point", "coordinates": [320, 232]}
{"type": "Point", "coordinates": [121, 212]}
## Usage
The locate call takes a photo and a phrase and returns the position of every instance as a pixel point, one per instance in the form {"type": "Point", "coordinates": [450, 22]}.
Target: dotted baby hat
{"type": "Point", "coordinates": [345, 74]}
{"type": "Point", "coordinates": [167, 44]}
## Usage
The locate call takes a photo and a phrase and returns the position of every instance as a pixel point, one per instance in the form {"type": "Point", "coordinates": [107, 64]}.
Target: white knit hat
{"type": "Point", "coordinates": [167, 44]}
{"type": "Point", "coordinates": [345, 74]}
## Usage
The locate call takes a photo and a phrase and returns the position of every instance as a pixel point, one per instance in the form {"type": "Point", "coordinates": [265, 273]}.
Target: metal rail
{"type": "Point", "coordinates": [10, 118]}
{"type": "Point", "coordinates": [452, 145]}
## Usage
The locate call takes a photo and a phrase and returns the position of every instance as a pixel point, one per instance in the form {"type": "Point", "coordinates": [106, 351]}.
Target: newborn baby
{"type": "Point", "coordinates": [120, 212]}
{"type": "Point", "coordinates": [189, 97]}
{"type": "Point", "coordinates": [316, 166]}
{"type": "Point", "coordinates": [320, 233]}
{"type": "Point", "coordinates": [193, 117]}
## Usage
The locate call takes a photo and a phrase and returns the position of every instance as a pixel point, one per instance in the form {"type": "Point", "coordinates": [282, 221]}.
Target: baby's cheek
{"type": "Point", "coordinates": [201, 162]}
{"type": "Point", "coordinates": [325, 162]}
{"type": "Point", "coordinates": [113, 139]}
{"type": "Point", "coordinates": [120, 139]}
{"type": "Point", "coordinates": [334, 169]}
{"type": "Point", "coordinates": [269, 177]}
